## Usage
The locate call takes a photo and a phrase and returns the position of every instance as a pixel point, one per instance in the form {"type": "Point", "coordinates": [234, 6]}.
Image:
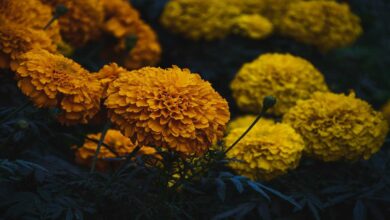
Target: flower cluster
{"type": "Point", "coordinates": [214, 19]}
{"type": "Point", "coordinates": [286, 77]}
{"type": "Point", "coordinates": [137, 43]}
{"type": "Point", "coordinates": [266, 152]}
{"type": "Point", "coordinates": [55, 81]}
{"type": "Point", "coordinates": [324, 24]}
{"type": "Point", "coordinates": [170, 108]}
{"type": "Point", "coordinates": [82, 23]}
{"type": "Point", "coordinates": [115, 145]}
{"type": "Point", "coordinates": [336, 126]}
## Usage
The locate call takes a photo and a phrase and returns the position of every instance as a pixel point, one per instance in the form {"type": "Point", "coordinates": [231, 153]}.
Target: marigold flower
{"type": "Point", "coordinates": [267, 151]}
{"type": "Point", "coordinates": [55, 81]}
{"type": "Point", "coordinates": [170, 108]}
{"type": "Point", "coordinates": [200, 19]}
{"type": "Point", "coordinates": [286, 77]}
{"type": "Point", "coordinates": [336, 126]}
{"type": "Point", "coordinates": [324, 24]}
{"type": "Point", "coordinates": [108, 74]}
{"type": "Point", "coordinates": [32, 14]}
{"type": "Point", "coordinates": [245, 121]}
{"type": "Point", "coordinates": [252, 26]}
{"type": "Point", "coordinates": [119, 146]}
{"type": "Point", "coordinates": [83, 21]}
{"type": "Point", "coordinates": [386, 111]}
{"type": "Point", "coordinates": [123, 22]}
{"type": "Point", "coordinates": [17, 39]}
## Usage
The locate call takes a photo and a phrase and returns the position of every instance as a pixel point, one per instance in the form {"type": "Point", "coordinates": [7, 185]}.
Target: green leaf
{"type": "Point", "coordinates": [221, 189]}
{"type": "Point", "coordinates": [237, 183]}
{"type": "Point", "coordinates": [256, 188]}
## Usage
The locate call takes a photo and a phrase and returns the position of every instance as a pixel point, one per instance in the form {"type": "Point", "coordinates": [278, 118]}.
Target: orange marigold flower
{"type": "Point", "coordinates": [55, 81]}
{"type": "Point", "coordinates": [124, 23]}
{"type": "Point", "coordinates": [171, 108]}
{"type": "Point", "coordinates": [32, 14]}
{"type": "Point", "coordinates": [107, 74]}
{"type": "Point", "coordinates": [116, 145]}
{"type": "Point", "coordinates": [16, 40]}
{"type": "Point", "coordinates": [82, 23]}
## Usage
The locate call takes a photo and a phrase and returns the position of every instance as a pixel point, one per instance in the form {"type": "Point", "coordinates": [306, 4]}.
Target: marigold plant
{"type": "Point", "coordinates": [138, 44]}
{"type": "Point", "coordinates": [284, 76]}
{"type": "Point", "coordinates": [336, 126]}
{"type": "Point", "coordinates": [83, 21]}
{"type": "Point", "coordinates": [55, 81]}
{"type": "Point", "coordinates": [324, 24]}
{"type": "Point", "coordinates": [109, 73]}
{"type": "Point", "coordinates": [32, 14]}
{"type": "Point", "coordinates": [16, 39]}
{"type": "Point", "coordinates": [267, 151]}
{"type": "Point", "coordinates": [252, 26]}
{"type": "Point", "coordinates": [116, 145]}
{"type": "Point", "coordinates": [171, 108]}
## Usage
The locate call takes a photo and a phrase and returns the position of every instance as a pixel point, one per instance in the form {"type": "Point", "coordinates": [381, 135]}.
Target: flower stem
{"type": "Point", "coordinates": [100, 143]}
{"type": "Point", "coordinates": [60, 10]}
{"type": "Point", "coordinates": [268, 102]}
{"type": "Point", "coordinates": [16, 111]}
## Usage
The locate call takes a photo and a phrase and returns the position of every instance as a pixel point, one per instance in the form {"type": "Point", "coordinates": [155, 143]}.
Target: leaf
{"type": "Point", "coordinates": [255, 187]}
{"type": "Point", "coordinates": [225, 174]}
{"type": "Point", "coordinates": [69, 215]}
{"type": "Point", "coordinates": [221, 189]}
{"type": "Point", "coordinates": [282, 196]}
{"type": "Point", "coordinates": [237, 183]}
{"type": "Point", "coordinates": [359, 212]}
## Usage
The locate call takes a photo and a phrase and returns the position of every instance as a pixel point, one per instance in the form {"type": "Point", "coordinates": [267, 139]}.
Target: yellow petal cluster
{"type": "Point", "coordinates": [119, 146]}
{"type": "Point", "coordinates": [386, 111]}
{"type": "Point", "coordinates": [171, 108]}
{"type": "Point", "coordinates": [267, 151]}
{"type": "Point", "coordinates": [215, 19]}
{"type": "Point", "coordinates": [83, 21]}
{"type": "Point", "coordinates": [324, 24]}
{"type": "Point", "coordinates": [17, 39]}
{"type": "Point", "coordinates": [32, 14]}
{"type": "Point", "coordinates": [253, 26]}
{"type": "Point", "coordinates": [55, 81]}
{"type": "Point", "coordinates": [288, 78]}
{"type": "Point", "coordinates": [338, 126]}
{"type": "Point", "coordinates": [123, 22]}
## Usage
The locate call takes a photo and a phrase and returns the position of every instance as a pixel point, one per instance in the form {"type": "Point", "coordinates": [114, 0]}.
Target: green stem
{"type": "Point", "coordinates": [16, 111]}
{"type": "Point", "coordinates": [50, 22]}
{"type": "Point", "coordinates": [101, 140]}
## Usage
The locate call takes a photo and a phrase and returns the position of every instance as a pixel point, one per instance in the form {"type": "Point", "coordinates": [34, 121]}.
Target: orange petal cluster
{"type": "Point", "coordinates": [118, 145]}
{"type": "Point", "coordinates": [123, 22]}
{"type": "Point", "coordinates": [107, 74]}
{"type": "Point", "coordinates": [83, 21]}
{"type": "Point", "coordinates": [171, 108]}
{"type": "Point", "coordinates": [55, 81]}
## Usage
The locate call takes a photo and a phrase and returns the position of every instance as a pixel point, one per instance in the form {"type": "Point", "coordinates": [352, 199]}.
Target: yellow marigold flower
{"type": "Point", "coordinates": [200, 19]}
{"type": "Point", "coordinates": [32, 14]}
{"type": "Point", "coordinates": [119, 146]}
{"type": "Point", "coordinates": [286, 77]}
{"type": "Point", "coordinates": [170, 108]}
{"type": "Point", "coordinates": [324, 24]}
{"type": "Point", "coordinates": [55, 81]}
{"type": "Point", "coordinates": [386, 111]}
{"type": "Point", "coordinates": [248, 6]}
{"type": "Point", "coordinates": [267, 151]}
{"type": "Point", "coordinates": [336, 126]}
{"type": "Point", "coordinates": [83, 21]}
{"type": "Point", "coordinates": [252, 26]}
{"type": "Point", "coordinates": [17, 39]}
{"type": "Point", "coordinates": [123, 22]}
{"type": "Point", "coordinates": [245, 121]}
